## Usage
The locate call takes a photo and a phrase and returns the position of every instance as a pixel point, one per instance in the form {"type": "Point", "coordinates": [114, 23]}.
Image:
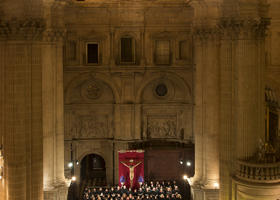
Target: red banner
{"type": "Point", "coordinates": [131, 168]}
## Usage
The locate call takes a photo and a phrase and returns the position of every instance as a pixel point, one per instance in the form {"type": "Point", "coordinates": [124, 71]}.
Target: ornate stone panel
{"type": "Point", "coordinates": [167, 122]}
{"type": "Point", "coordinates": [88, 123]}
{"type": "Point", "coordinates": [162, 126]}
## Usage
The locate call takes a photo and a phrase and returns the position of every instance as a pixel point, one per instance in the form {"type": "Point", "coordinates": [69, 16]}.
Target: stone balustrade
{"type": "Point", "coordinates": [258, 172]}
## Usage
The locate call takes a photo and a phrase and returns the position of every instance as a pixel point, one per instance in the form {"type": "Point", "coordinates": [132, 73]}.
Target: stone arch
{"type": "Point", "coordinates": [83, 155]}
{"type": "Point", "coordinates": [103, 79]}
{"type": "Point", "coordinates": [168, 76]}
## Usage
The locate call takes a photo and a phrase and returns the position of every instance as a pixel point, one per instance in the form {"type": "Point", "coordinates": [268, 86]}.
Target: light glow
{"type": "Point", "coordinates": [73, 178]}
{"type": "Point", "coordinates": [185, 177]}
{"type": "Point", "coordinates": [216, 185]}
{"type": "Point", "coordinates": [70, 164]}
{"type": "Point", "coordinates": [189, 163]}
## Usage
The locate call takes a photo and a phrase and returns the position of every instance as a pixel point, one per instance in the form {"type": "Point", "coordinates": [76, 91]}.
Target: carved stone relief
{"type": "Point", "coordinates": [162, 126]}
{"type": "Point", "coordinates": [167, 122]}
{"type": "Point", "coordinates": [87, 126]}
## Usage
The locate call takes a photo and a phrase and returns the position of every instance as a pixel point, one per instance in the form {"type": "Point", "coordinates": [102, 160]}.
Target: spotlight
{"type": "Point", "coordinates": [189, 163]}
{"type": "Point", "coordinates": [181, 162]}
{"type": "Point", "coordinates": [77, 162]}
{"type": "Point", "coordinates": [216, 185]}
{"type": "Point", "coordinates": [70, 164]}
{"type": "Point", "coordinates": [73, 178]}
{"type": "Point", "coordinates": [185, 177]}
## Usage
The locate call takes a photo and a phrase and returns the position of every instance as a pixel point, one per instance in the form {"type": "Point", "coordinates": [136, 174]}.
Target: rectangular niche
{"type": "Point", "coordinates": [162, 52]}
{"type": "Point", "coordinates": [183, 50]}
{"type": "Point", "coordinates": [127, 50]}
{"type": "Point", "coordinates": [92, 53]}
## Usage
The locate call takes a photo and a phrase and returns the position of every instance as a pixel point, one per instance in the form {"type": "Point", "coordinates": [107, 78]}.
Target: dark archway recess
{"type": "Point", "coordinates": [93, 171]}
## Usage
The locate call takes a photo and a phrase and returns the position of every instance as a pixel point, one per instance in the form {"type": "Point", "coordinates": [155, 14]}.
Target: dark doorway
{"type": "Point", "coordinates": [93, 171]}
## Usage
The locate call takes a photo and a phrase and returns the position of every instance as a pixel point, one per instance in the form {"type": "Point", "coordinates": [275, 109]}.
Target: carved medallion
{"type": "Point", "coordinates": [161, 90]}
{"type": "Point", "coordinates": [91, 90]}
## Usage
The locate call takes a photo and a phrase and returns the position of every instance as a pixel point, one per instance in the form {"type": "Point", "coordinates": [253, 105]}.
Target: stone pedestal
{"type": "Point", "coordinates": [200, 193]}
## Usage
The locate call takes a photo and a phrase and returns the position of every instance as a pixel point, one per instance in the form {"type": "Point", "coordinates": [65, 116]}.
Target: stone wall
{"type": "Point", "coordinates": [221, 56]}
{"type": "Point", "coordinates": [111, 103]}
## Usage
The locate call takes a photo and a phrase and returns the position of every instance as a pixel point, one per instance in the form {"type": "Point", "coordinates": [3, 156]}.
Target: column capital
{"type": "Point", "coordinates": [22, 29]}
{"type": "Point", "coordinates": [204, 32]}
{"type": "Point", "coordinates": [54, 34]}
{"type": "Point", "coordinates": [243, 28]}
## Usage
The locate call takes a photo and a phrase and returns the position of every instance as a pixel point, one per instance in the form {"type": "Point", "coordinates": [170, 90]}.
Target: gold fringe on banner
{"type": "Point", "coordinates": [137, 151]}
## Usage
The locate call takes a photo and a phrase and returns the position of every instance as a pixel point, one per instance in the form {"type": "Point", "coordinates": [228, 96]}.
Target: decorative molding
{"type": "Point", "coordinates": [54, 34]}
{"type": "Point", "coordinates": [22, 29]}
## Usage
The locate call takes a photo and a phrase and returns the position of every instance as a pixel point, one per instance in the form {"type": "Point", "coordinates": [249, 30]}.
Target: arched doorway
{"type": "Point", "coordinates": [93, 171]}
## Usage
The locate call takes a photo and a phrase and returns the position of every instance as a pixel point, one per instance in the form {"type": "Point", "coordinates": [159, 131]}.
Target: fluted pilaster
{"type": "Point", "coordinates": [22, 108]}
{"type": "Point", "coordinates": [207, 107]}
{"type": "Point", "coordinates": [55, 186]}
{"type": "Point", "coordinates": [242, 93]}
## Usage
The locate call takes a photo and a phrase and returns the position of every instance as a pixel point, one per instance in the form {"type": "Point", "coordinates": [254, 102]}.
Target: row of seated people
{"type": "Point", "coordinates": [148, 191]}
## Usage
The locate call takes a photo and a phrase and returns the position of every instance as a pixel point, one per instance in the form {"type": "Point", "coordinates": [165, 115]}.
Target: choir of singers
{"type": "Point", "coordinates": [148, 191]}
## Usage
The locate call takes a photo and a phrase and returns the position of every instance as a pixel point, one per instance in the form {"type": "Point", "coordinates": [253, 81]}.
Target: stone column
{"type": "Point", "coordinates": [55, 185]}
{"type": "Point", "coordinates": [227, 119]}
{"type": "Point", "coordinates": [21, 66]}
{"type": "Point", "coordinates": [53, 116]}
{"type": "Point", "coordinates": [242, 94]}
{"type": "Point", "coordinates": [250, 88]}
{"type": "Point", "coordinates": [206, 113]}
{"type": "Point", "coordinates": [198, 136]}
{"type": "Point", "coordinates": [2, 115]}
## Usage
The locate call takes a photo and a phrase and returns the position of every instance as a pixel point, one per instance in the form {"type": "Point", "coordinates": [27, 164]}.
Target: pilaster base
{"type": "Point", "coordinates": [57, 193]}
{"type": "Point", "coordinates": [199, 193]}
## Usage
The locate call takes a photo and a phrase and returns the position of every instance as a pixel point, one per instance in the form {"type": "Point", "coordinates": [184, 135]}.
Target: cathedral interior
{"type": "Point", "coordinates": [195, 81]}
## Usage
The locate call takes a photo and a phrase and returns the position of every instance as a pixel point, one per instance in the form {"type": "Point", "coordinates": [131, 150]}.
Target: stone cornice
{"type": "Point", "coordinates": [22, 29]}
